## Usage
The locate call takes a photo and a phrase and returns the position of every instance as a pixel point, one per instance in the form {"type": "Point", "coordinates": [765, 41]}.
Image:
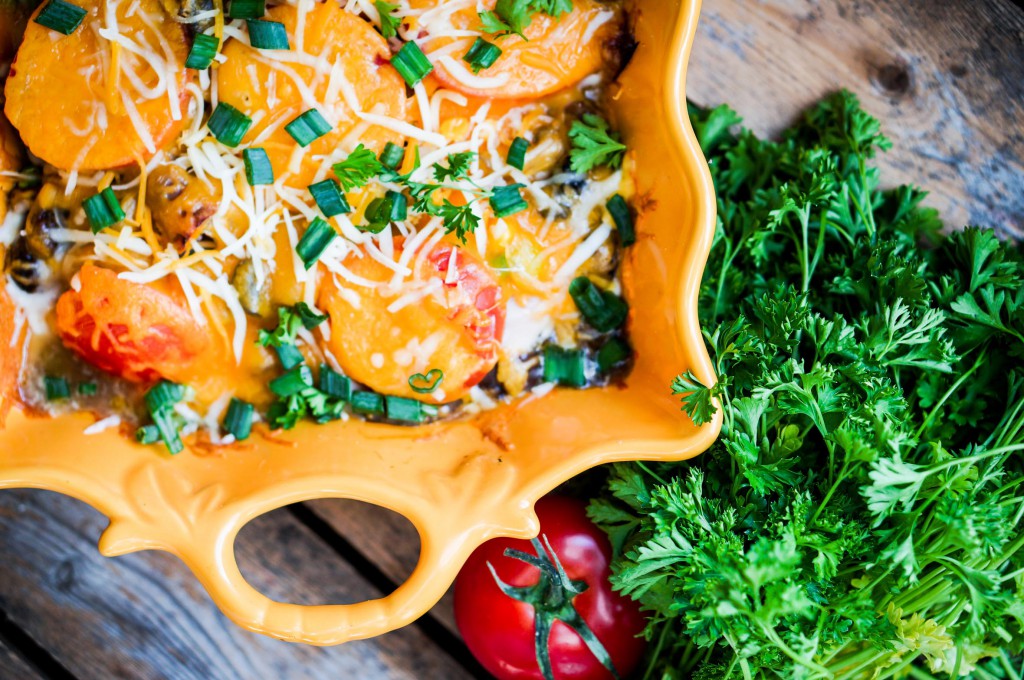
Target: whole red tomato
{"type": "Point", "coordinates": [500, 630]}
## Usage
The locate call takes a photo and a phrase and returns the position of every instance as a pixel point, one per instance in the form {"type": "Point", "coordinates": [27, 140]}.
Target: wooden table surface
{"type": "Point", "coordinates": [945, 76]}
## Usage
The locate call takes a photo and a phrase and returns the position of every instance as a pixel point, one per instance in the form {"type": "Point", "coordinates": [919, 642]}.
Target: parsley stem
{"type": "Point", "coordinates": [949, 393]}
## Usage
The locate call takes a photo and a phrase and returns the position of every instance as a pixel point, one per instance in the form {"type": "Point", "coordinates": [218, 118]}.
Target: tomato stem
{"type": "Point", "coordinates": [552, 600]}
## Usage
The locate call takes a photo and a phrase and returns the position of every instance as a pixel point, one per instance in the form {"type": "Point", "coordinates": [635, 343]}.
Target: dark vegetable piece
{"type": "Point", "coordinates": [367, 403]}
{"type": "Point", "coordinates": [335, 384]}
{"type": "Point", "coordinates": [564, 367]}
{"type": "Point", "coordinates": [392, 156]}
{"type": "Point", "coordinates": [292, 382]}
{"type": "Point", "coordinates": [228, 124]}
{"type": "Point", "coordinates": [482, 55]}
{"type": "Point", "coordinates": [329, 198]}
{"type": "Point", "coordinates": [289, 356]}
{"type": "Point", "coordinates": [247, 9]}
{"type": "Point", "coordinates": [508, 200]}
{"type": "Point", "coordinates": [517, 153]}
{"type": "Point", "coordinates": [204, 49]}
{"type": "Point", "coordinates": [258, 170]}
{"type": "Point", "coordinates": [314, 242]}
{"type": "Point", "coordinates": [63, 17]}
{"type": "Point", "coordinates": [613, 353]}
{"type": "Point", "coordinates": [308, 127]}
{"type": "Point", "coordinates": [603, 310]}
{"type": "Point", "coordinates": [57, 388]}
{"type": "Point", "coordinates": [408, 410]}
{"type": "Point", "coordinates": [238, 420]}
{"type": "Point", "coordinates": [267, 35]}
{"type": "Point", "coordinates": [623, 218]}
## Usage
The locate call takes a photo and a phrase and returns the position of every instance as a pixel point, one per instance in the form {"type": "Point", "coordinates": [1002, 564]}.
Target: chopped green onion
{"type": "Point", "coordinates": [603, 310]}
{"type": "Point", "coordinates": [292, 382]}
{"type": "Point", "coordinates": [284, 414]}
{"type": "Point", "coordinates": [619, 210]}
{"type": "Point", "coordinates": [329, 198]}
{"type": "Point", "coordinates": [517, 153]}
{"type": "Point", "coordinates": [247, 9]}
{"type": "Point", "coordinates": [314, 242]}
{"type": "Point", "coordinates": [164, 395]}
{"type": "Point", "coordinates": [408, 410]}
{"type": "Point", "coordinates": [335, 384]}
{"type": "Point", "coordinates": [238, 420]}
{"type": "Point", "coordinates": [482, 55]}
{"type": "Point", "coordinates": [57, 389]}
{"type": "Point", "coordinates": [88, 389]}
{"type": "Point", "coordinates": [258, 170]}
{"type": "Point", "coordinates": [289, 355]}
{"type": "Point", "coordinates": [61, 16]}
{"type": "Point", "coordinates": [204, 49]}
{"type": "Point", "coordinates": [148, 434]}
{"type": "Point", "coordinates": [168, 428]}
{"type": "Point", "coordinates": [267, 35]}
{"type": "Point", "coordinates": [564, 366]}
{"type": "Point", "coordinates": [308, 127]}
{"type": "Point", "coordinates": [103, 210]}
{"type": "Point", "coordinates": [367, 403]}
{"type": "Point", "coordinates": [392, 207]}
{"type": "Point", "coordinates": [425, 384]}
{"type": "Point", "coordinates": [508, 200]}
{"type": "Point", "coordinates": [412, 64]}
{"type": "Point", "coordinates": [228, 124]}
{"type": "Point", "coordinates": [613, 353]}
{"type": "Point", "coordinates": [308, 317]}
{"type": "Point", "coordinates": [392, 156]}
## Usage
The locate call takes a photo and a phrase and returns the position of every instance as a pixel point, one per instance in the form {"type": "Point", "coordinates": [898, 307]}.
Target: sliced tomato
{"type": "Point", "coordinates": [456, 327]}
{"type": "Point", "coordinates": [135, 331]}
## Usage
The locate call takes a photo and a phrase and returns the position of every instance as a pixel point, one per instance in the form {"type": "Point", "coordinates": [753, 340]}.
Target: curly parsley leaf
{"type": "Point", "coordinates": [360, 167]}
{"type": "Point", "coordinates": [458, 168]}
{"type": "Point", "coordinates": [594, 144]}
{"type": "Point", "coordinates": [515, 16]}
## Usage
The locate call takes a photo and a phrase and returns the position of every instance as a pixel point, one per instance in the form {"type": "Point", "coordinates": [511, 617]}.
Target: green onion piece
{"type": "Point", "coordinates": [247, 9]}
{"type": "Point", "coordinates": [61, 16]}
{"type": "Point", "coordinates": [284, 414]}
{"type": "Point", "coordinates": [148, 434]}
{"type": "Point", "coordinates": [619, 210]}
{"type": "Point", "coordinates": [238, 420]}
{"type": "Point", "coordinates": [204, 49]}
{"type": "Point", "coordinates": [564, 366]}
{"type": "Point", "coordinates": [258, 170]}
{"type": "Point", "coordinates": [425, 384]}
{"type": "Point", "coordinates": [103, 210]}
{"type": "Point", "coordinates": [412, 64]}
{"type": "Point", "coordinates": [482, 55]}
{"type": "Point", "coordinates": [308, 127]}
{"type": "Point", "coordinates": [392, 156]}
{"type": "Point", "coordinates": [57, 389]}
{"type": "Point", "coordinates": [329, 198]}
{"type": "Point", "coordinates": [367, 403]}
{"type": "Point", "coordinates": [517, 153]}
{"type": "Point", "coordinates": [508, 200]}
{"type": "Point", "coordinates": [228, 124]}
{"type": "Point", "coordinates": [292, 382]}
{"type": "Point", "coordinates": [88, 389]}
{"type": "Point", "coordinates": [405, 410]}
{"type": "Point", "coordinates": [314, 242]}
{"type": "Point", "coordinates": [603, 310]}
{"type": "Point", "coordinates": [267, 35]}
{"type": "Point", "coordinates": [335, 384]}
{"type": "Point", "coordinates": [164, 395]}
{"type": "Point", "coordinates": [289, 355]}
{"type": "Point", "coordinates": [613, 353]}
{"type": "Point", "coordinates": [168, 428]}
{"type": "Point", "coordinates": [308, 317]}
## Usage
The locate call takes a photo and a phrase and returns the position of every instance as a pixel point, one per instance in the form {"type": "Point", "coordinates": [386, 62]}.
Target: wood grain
{"type": "Point", "coordinates": [946, 78]}
{"type": "Point", "coordinates": [386, 538]}
{"type": "Point", "coordinates": [145, 616]}
{"type": "Point", "coordinates": [13, 666]}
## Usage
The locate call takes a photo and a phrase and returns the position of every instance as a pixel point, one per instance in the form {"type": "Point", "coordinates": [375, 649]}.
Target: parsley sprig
{"type": "Point", "coordinates": [594, 144]}
{"type": "Point", "coordinates": [513, 17]}
{"type": "Point", "coordinates": [861, 514]}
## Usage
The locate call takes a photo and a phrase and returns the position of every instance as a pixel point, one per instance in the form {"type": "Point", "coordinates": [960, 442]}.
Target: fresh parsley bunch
{"type": "Point", "coordinates": [861, 515]}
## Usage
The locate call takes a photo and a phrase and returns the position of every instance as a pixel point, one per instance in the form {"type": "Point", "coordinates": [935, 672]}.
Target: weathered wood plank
{"type": "Point", "coordinates": [144, 615]}
{"type": "Point", "coordinates": [13, 666]}
{"type": "Point", "coordinates": [387, 539]}
{"type": "Point", "coordinates": [945, 78]}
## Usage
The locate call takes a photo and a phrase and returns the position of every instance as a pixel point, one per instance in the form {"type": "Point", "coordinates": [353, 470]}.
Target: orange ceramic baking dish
{"type": "Point", "coordinates": [460, 483]}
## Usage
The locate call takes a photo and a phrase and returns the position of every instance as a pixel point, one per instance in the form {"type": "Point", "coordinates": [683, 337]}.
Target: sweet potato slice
{"type": "Point", "coordinates": [455, 328]}
{"type": "Point", "coordinates": [72, 98]}
{"type": "Point", "coordinates": [274, 87]}
{"type": "Point", "coordinates": [557, 54]}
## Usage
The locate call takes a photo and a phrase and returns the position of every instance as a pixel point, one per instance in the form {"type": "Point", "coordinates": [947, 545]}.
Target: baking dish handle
{"type": "Point", "coordinates": [446, 542]}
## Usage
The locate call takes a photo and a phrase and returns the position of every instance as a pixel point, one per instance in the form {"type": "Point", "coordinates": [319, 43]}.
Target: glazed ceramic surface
{"type": "Point", "coordinates": [460, 483]}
